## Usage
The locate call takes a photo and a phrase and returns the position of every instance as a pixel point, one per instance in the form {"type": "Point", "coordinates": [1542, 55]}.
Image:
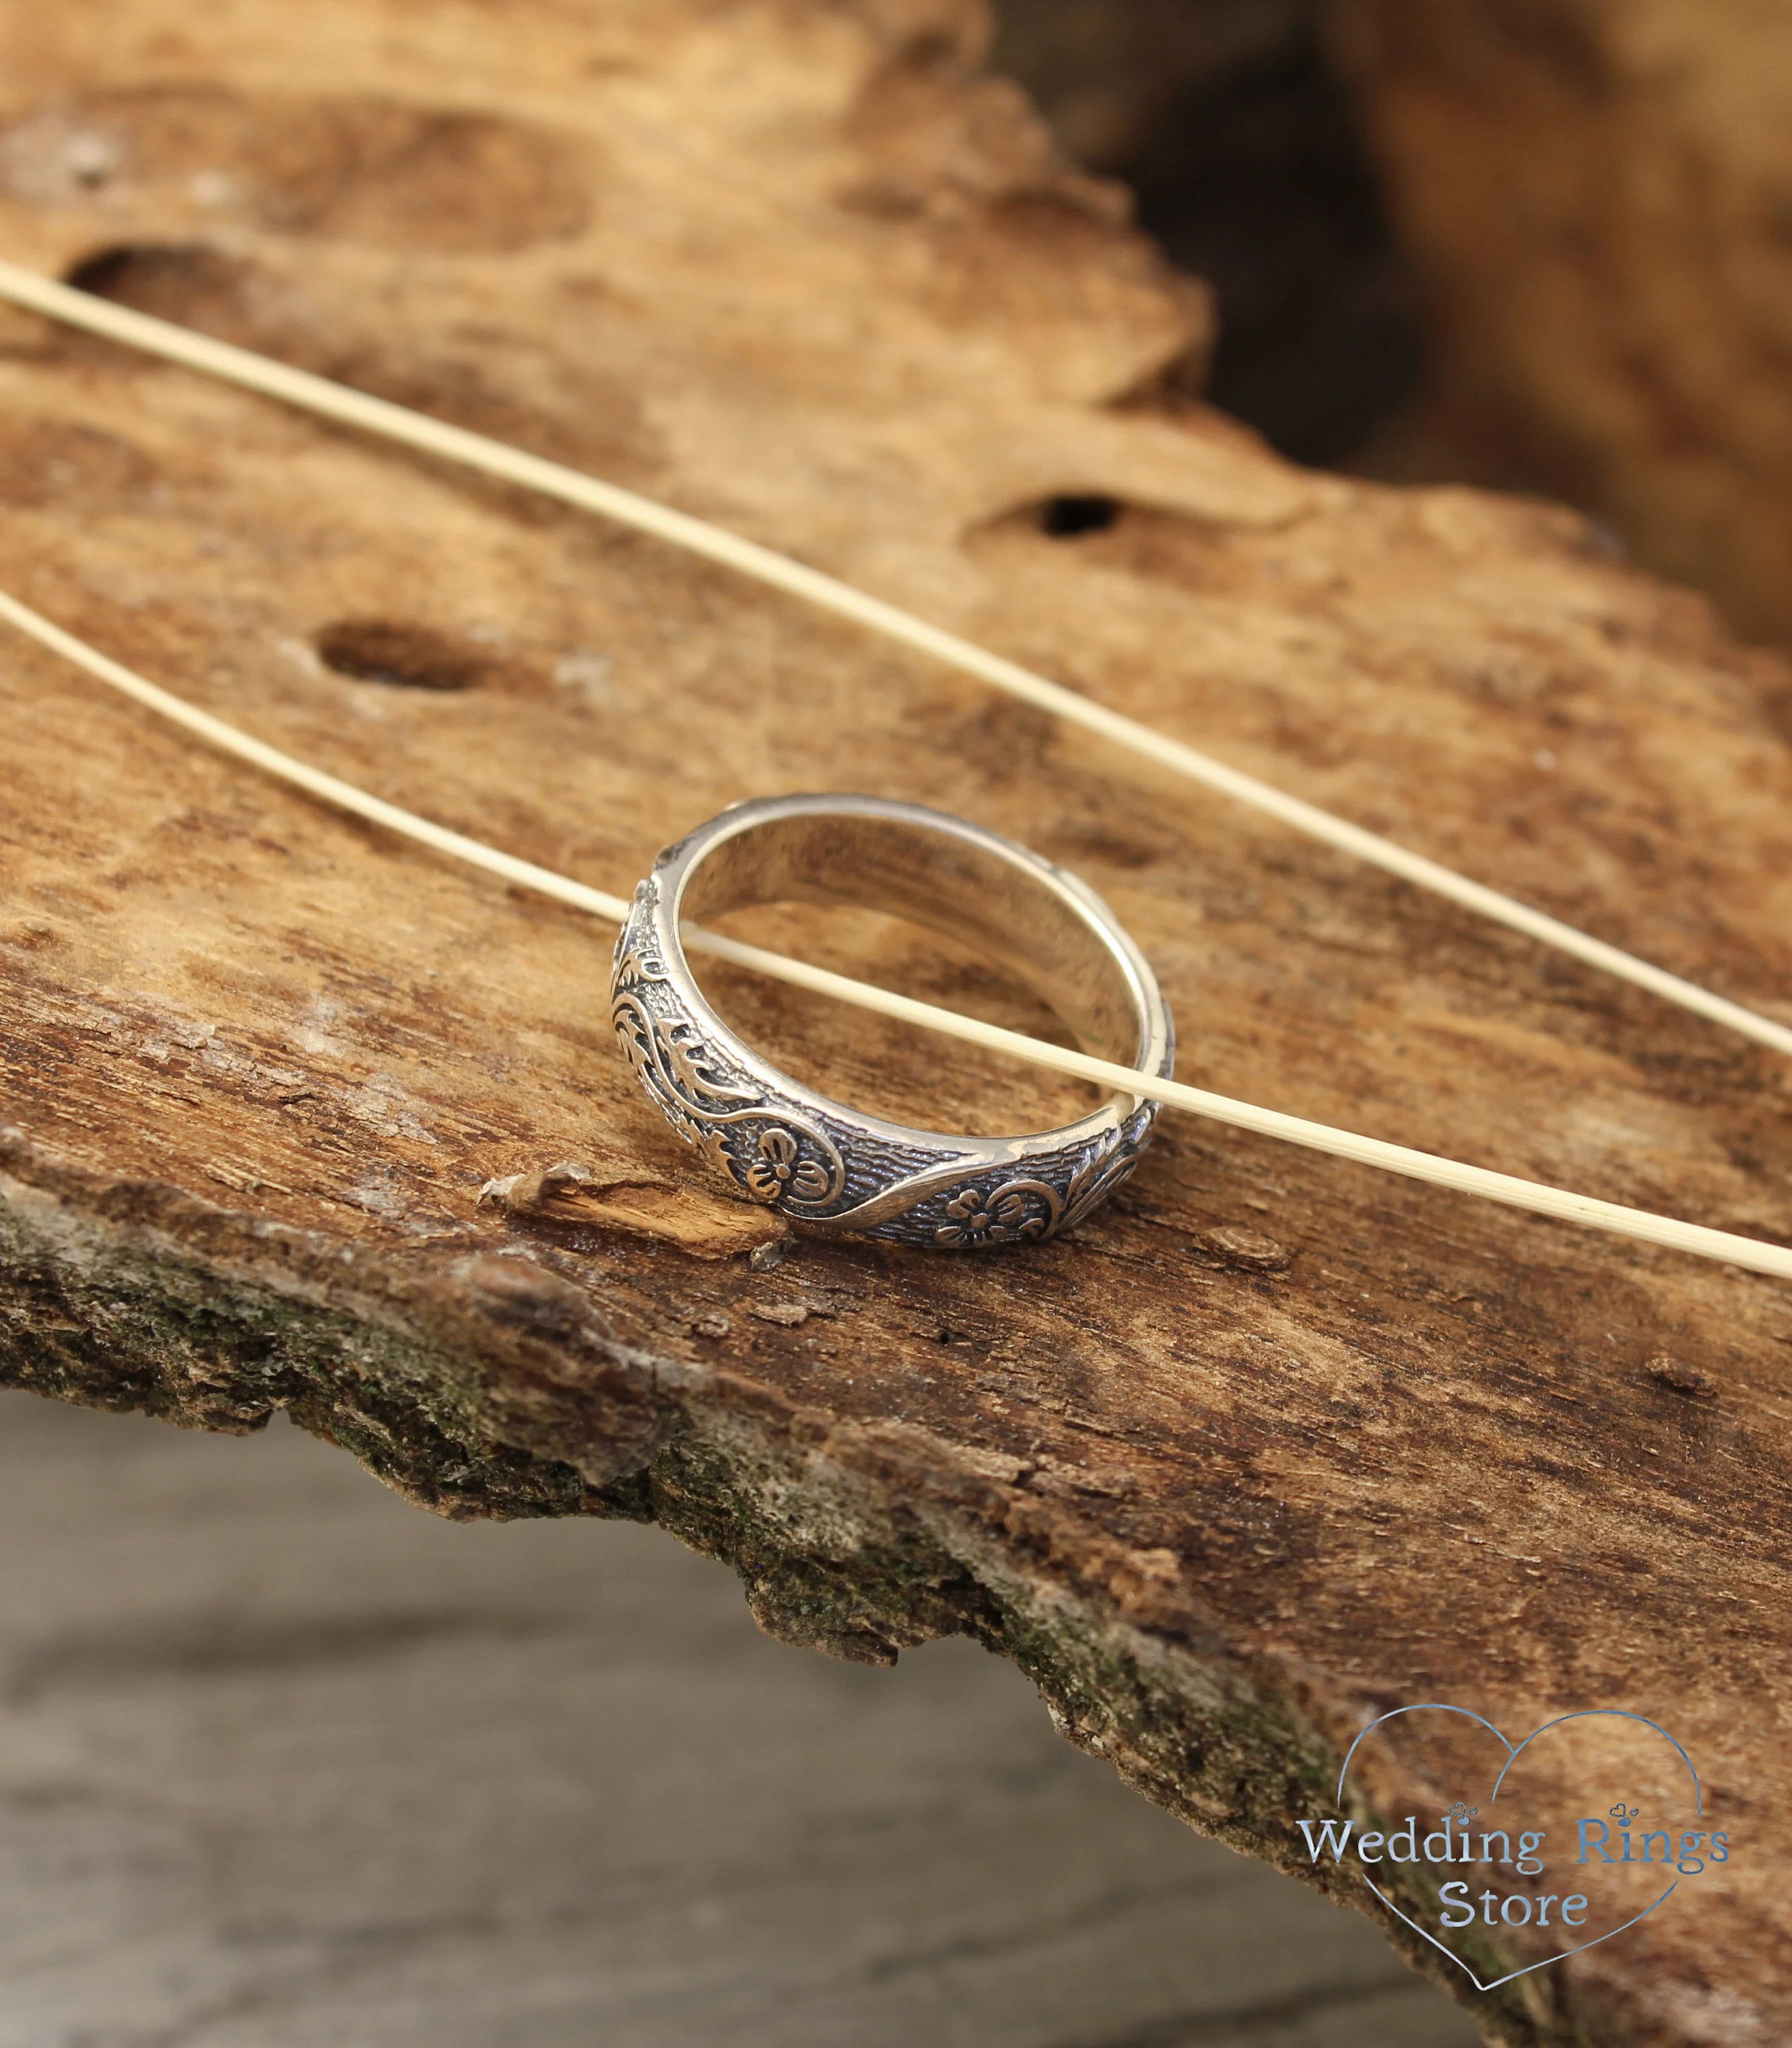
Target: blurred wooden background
{"type": "Point", "coordinates": [1537, 245]}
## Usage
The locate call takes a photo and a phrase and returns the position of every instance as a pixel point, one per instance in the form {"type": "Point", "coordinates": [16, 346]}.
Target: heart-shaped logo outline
{"type": "Point", "coordinates": [1514, 1751]}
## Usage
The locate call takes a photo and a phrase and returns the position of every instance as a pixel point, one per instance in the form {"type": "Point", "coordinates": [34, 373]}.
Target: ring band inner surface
{"type": "Point", "coordinates": [961, 890]}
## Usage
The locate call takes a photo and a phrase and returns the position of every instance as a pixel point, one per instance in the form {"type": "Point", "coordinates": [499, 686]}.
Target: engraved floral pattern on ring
{"type": "Point", "coordinates": [778, 1167]}
{"type": "Point", "coordinates": [793, 1163]}
{"type": "Point", "coordinates": [824, 1163]}
{"type": "Point", "coordinates": [1026, 1212]}
{"type": "Point", "coordinates": [1004, 1216]}
{"type": "Point", "coordinates": [775, 1156]}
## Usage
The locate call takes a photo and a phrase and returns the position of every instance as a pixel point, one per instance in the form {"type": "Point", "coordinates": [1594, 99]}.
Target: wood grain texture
{"type": "Point", "coordinates": [1270, 1444]}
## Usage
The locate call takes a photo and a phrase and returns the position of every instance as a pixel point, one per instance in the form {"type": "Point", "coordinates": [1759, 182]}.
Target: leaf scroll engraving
{"type": "Point", "coordinates": [781, 1153]}
{"type": "Point", "coordinates": [789, 1163]}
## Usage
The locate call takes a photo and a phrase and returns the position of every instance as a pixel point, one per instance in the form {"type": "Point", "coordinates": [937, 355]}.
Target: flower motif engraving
{"type": "Point", "coordinates": [1028, 1211]}
{"type": "Point", "coordinates": [710, 1102]}
{"type": "Point", "coordinates": [1001, 1216]}
{"type": "Point", "coordinates": [792, 1155]}
{"type": "Point", "coordinates": [778, 1170]}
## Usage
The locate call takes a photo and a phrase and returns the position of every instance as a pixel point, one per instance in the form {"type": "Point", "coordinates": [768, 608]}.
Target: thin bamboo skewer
{"type": "Point", "coordinates": [379, 416]}
{"type": "Point", "coordinates": [1453, 1174]}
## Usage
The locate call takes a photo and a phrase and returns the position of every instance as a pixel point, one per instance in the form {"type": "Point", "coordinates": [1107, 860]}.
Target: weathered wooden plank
{"type": "Point", "coordinates": [796, 267]}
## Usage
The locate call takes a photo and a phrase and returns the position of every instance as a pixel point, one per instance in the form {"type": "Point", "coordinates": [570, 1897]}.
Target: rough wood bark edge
{"type": "Point", "coordinates": [209, 1319]}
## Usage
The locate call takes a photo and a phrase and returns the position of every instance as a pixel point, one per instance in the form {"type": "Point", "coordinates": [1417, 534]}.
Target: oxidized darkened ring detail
{"type": "Point", "coordinates": [816, 1160]}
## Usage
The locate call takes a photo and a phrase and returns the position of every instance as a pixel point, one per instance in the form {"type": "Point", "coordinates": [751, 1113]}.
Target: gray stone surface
{"type": "Point", "coordinates": [284, 1763]}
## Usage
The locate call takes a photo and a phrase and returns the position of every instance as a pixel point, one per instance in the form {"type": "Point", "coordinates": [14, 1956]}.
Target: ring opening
{"type": "Point", "coordinates": [998, 909]}
{"type": "Point", "coordinates": [877, 1065]}
{"type": "Point", "coordinates": [930, 907]}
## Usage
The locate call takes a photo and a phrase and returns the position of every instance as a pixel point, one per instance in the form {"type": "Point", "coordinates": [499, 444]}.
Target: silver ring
{"type": "Point", "coordinates": [817, 1162]}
